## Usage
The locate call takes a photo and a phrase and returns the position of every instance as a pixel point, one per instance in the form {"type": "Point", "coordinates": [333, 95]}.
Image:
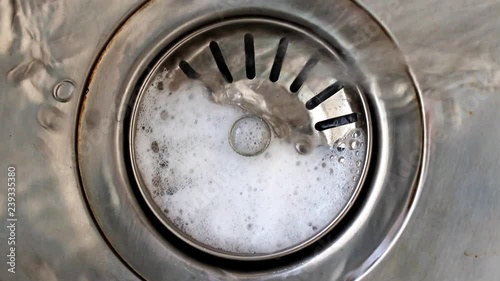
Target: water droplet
{"type": "Point", "coordinates": [357, 153]}
{"type": "Point", "coordinates": [332, 157]}
{"type": "Point", "coordinates": [341, 159]}
{"type": "Point", "coordinates": [63, 91]}
{"type": "Point", "coordinates": [356, 134]}
{"type": "Point", "coordinates": [340, 146]}
{"type": "Point", "coordinates": [358, 163]}
{"type": "Point", "coordinates": [353, 178]}
{"type": "Point", "coordinates": [354, 144]}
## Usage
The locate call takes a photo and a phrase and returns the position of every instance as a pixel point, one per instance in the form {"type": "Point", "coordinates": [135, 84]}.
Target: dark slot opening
{"type": "Point", "coordinates": [188, 70]}
{"type": "Point", "coordinates": [220, 61]}
{"type": "Point", "coordinates": [250, 56]}
{"type": "Point", "coordinates": [324, 95]}
{"type": "Point", "coordinates": [278, 60]}
{"type": "Point", "coordinates": [336, 122]}
{"type": "Point", "coordinates": [301, 78]}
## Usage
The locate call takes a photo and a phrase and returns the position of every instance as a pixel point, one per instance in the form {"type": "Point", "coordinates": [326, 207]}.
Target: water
{"type": "Point", "coordinates": [259, 204]}
{"type": "Point", "coordinates": [356, 134]}
{"type": "Point", "coordinates": [340, 145]}
{"type": "Point", "coordinates": [354, 144]}
{"type": "Point", "coordinates": [284, 112]}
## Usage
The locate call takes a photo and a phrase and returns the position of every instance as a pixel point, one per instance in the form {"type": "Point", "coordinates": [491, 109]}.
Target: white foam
{"type": "Point", "coordinates": [248, 205]}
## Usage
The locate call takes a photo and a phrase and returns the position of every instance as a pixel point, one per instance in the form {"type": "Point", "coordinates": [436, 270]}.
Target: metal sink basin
{"type": "Point", "coordinates": [400, 95]}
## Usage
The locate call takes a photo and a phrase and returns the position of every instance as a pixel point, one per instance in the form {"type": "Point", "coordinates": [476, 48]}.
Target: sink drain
{"type": "Point", "coordinates": [243, 148]}
{"type": "Point", "coordinates": [271, 93]}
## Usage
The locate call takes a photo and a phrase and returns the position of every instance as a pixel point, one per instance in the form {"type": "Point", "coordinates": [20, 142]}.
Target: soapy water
{"type": "Point", "coordinates": [245, 205]}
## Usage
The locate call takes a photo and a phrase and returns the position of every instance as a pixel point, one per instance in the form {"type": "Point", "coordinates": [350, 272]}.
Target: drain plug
{"type": "Point", "coordinates": [250, 136]}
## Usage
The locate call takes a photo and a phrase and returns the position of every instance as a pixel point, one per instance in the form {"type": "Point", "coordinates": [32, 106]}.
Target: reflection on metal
{"type": "Point", "coordinates": [41, 44]}
{"type": "Point", "coordinates": [107, 232]}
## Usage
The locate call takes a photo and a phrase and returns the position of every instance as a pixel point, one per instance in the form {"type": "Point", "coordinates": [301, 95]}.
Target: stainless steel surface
{"type": "Point", "coordinates": [372, 228]}
{"type": "Point", "coordinates": [43, 43]}
{"type": "Point", "coordinates": [451, 47]}
{"type": "Point", "coordinates": [453, 234]}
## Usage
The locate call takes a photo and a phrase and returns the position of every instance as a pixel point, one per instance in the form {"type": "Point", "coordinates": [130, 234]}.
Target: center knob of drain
{"type": "Point", "coordinates": [250, 136]}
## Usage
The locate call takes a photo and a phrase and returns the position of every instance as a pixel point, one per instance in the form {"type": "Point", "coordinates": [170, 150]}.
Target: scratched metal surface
{"type": "Point", "coordinates": [454, 233]}
{"type": "Point", "coordinates": [43, 42]}
{"type": "Point", "coordinates": [452, 47]}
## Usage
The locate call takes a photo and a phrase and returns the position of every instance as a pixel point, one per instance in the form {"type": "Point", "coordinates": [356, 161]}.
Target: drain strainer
{"type": "Point", "coordinates": [246, 140]}
{"type": "Point", "coordinates": [243, 148]}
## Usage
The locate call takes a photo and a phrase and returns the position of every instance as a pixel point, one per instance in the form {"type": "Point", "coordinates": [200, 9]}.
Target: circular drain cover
{"type": "Point", "coordinates": [160, 119]}
{"type": "Point", "coordinates": [246, 142]}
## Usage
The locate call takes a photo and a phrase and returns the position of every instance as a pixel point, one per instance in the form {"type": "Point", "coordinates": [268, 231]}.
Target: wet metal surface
{"type": "Point", "coordinates": [452, 235]}
{"type": "Point", "coordinates": [373, 225]}
{"type": "Point", "coordinates": [43, 43]}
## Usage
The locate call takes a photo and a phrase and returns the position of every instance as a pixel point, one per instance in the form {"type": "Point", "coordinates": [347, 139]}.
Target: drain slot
{"type": "Point", "coordinates": [278, 60]}
{"type": "Point", "coordinates": [249, 56]}
{"type": "Point", "coordinates": [336, 122]}
{"type": "Point", "coordinates": [324, 95]}
{"type": "Point", "coordinates": [188, 70]}
{"type": "Point", "coordinates": [302, 76]}
{"type": "Point", "coordinates": [220, 61]}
